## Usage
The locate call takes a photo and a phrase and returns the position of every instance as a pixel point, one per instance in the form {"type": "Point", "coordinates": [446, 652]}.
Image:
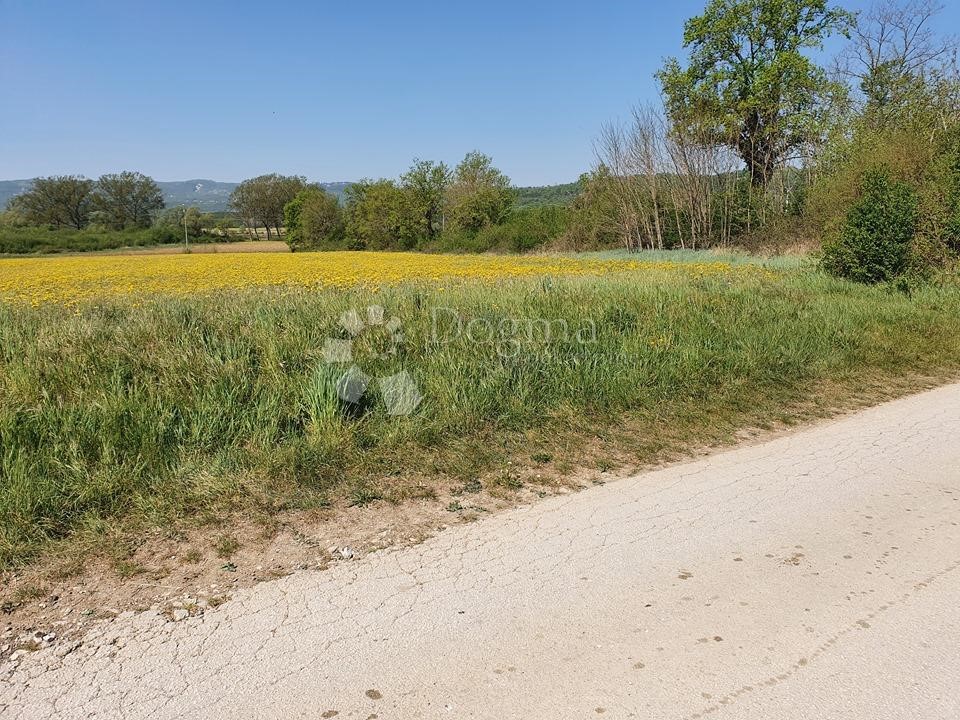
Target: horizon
{"type": "Point", "coordinates": [346, 93]}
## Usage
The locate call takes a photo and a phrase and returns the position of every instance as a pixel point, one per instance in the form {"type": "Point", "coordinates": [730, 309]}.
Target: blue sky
{"type": "Point", "coordinates": [333, 91]}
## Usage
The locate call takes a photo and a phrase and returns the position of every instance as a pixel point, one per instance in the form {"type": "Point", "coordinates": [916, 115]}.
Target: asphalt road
{"type": "Point", "coordinates": [813, 576]}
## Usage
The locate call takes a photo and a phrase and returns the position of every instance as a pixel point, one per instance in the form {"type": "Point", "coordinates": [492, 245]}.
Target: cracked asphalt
{"type": "Point", "coordinates": [815, 575]}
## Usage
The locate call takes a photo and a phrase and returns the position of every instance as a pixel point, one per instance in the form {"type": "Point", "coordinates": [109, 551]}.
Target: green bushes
{"type": "Point", "coordinates": [28, 240]}
{"type": "Point", "coordinates": [314, 221]}
{"type": "Point", "coordinates": [889, 202]}
{"type": "Point", "coordinates": [526, 229]}
{"type": "Point", "coordinates": [875, 241]}
{"type": "Point", "coordinates": [523, 230]}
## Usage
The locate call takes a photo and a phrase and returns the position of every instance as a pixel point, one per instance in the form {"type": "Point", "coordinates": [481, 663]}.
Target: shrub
{"type": "Point", "coordinates": [873, 244]}
{"type": "Point", "coordinates": [524, 229]}
{"type": "Point", "coordinates": [314, 221]}
{"type": "Point", "coordinates": [24, 240]}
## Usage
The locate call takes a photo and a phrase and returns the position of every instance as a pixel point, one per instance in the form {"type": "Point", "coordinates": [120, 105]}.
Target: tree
{"type": "Point", "coordinates": [896, 58]}
{"type": "Point", "coordinates": [379, 216]}
{"type": "Point", "coordinates": [63, 200]}
{"type": "Point", "coordinates": [127, 199]}
{"type": "Point", "coordinates": [595, 221]}
{"type": "Point", "coordinates": [314, 220]}
{"type": "Point", "coordinates": [479, 194]}
{"type": "Point", "coordinates": [261, 200]}
{"type": "Point", "coordinates": [748, 84]}
{"type": "Point", "coordinates": [426, 183]}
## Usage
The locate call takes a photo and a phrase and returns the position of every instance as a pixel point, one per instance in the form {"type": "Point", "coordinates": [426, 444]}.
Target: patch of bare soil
{"type": "Point", "coordinates": [198, 569]}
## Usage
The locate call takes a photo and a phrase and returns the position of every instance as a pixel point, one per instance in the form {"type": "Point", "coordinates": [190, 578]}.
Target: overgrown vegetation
{"type": "Point", "coordinates": [116, 417]}
{"type": "Point", "coordinates": [757, 145]}
{"type": "Point", "coordinates": [873, 244]}
{"type": "Point", "coordinates": [27, 240]}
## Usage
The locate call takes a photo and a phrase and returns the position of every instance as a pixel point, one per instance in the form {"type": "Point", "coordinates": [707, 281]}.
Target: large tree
{"type": "Point", "coordinates": [748, 83]}
{"type": "Point", "coordinates": [127, 199]}
{"type": "Point", "coordinates": [479, 194]}
{"type": "Point", "coordinates": [260, 200]}
{"type": "Point", "coordinates": [60, 201]}
{"type": "Point", "coordinates": [426, 183]}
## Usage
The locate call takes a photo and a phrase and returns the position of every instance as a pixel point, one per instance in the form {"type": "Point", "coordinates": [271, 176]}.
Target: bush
{"type": "Point", "coordinates": [314, 221]}
{"type": "Point", "coordinates": [873, 244]}
{"type": "Point", "coordinates": [165, 234]}
{"type": "Point", "coordinates": [941, 196]}
{"type": "Point", "coordinates": [27, 240]}
{"type": "Point", "coordinates": [523, 230]}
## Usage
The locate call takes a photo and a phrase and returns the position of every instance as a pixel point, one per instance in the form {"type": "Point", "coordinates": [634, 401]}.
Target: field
{"type": "Point", "coordinates": [74, 280]}
{"type": "Point", "coordinates": [144, 393]}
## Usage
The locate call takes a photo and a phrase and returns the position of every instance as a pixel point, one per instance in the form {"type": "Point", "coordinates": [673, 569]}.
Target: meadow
{"type": "Point", "coordinates": [139, 393]}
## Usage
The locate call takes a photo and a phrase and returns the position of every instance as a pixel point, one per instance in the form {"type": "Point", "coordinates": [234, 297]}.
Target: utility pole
{"type": "Point", "coordinates": [186, 241]}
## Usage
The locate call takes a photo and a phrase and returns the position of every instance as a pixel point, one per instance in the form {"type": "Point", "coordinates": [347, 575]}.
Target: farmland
{"type": "Point", "coordinates": [140, 394]}
{"type": "Point", "coordinates": [78, 279]}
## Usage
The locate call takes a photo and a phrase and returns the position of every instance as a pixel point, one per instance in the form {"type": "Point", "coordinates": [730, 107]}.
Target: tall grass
{"type": "Point", "coordinates": [731, 256]}
{"type": "Point", "coordinates": [116, 414]}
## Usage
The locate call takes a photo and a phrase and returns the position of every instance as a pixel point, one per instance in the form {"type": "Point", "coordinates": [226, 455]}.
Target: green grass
{"type": "Point", "coordinates": [115, 419]}
{"type": "Point", "coordinates": [732, 256]}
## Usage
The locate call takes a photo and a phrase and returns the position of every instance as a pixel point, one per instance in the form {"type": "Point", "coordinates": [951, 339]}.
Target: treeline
{"type": "Point", "coordinates": [757, 144]}
{"type": "Point", "coordinates": [471, 206]}
{"type": "Point", "coordinates": [126, 209]}
{"type": "Point", "coordinates": [119, 201]}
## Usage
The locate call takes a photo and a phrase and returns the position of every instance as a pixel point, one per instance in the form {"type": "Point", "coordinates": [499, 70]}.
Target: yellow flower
{"type": "Point", "coordinates": [71, 280]}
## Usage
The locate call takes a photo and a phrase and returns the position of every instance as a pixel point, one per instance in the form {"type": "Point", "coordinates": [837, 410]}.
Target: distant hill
{"type": "Point", "coordinates": [10, 188]}
{"type": "Point", "coordinates": [213, 196]}
{"type": "Point", "coordinates": [207, 195]}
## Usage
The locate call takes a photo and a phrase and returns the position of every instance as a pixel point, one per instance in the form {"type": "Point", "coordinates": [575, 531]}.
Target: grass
{"type": "Point", "coordinates": [732, 257]}
{"type": "Point", "coordinates": [119, 417]}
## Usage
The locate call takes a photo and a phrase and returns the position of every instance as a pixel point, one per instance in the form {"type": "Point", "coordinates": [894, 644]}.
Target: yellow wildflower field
{"type": "Point", "coordinates": [71, 280]}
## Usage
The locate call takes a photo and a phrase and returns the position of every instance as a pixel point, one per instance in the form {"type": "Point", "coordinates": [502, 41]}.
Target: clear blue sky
{"type": "Point", "coordinates": [333, 91]}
